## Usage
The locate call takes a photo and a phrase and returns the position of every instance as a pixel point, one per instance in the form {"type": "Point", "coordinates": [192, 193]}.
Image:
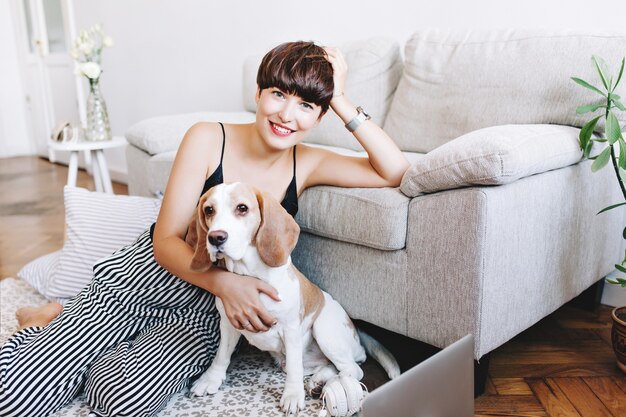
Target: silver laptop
{"type": "Point", "coordinates": [440, 386]}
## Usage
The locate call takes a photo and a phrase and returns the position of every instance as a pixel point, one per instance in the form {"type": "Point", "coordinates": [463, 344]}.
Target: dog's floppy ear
{"type": "Point", "coordinates": [278, 232]}
{"type": "Point", "coordinates": [196, 238]}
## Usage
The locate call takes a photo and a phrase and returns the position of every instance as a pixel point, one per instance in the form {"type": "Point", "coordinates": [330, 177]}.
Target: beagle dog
{"type": "Point", "coordinates": [251, 234]}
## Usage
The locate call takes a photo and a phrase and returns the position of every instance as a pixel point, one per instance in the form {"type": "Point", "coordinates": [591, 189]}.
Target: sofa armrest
{"type": "Point", "coordinates": [164, 133]}
{"type": "Point", "coordinates": [493, 156]}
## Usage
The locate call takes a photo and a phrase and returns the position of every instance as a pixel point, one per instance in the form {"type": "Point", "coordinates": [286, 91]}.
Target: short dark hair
{"type": "Point", "coordinates": [299, 68]}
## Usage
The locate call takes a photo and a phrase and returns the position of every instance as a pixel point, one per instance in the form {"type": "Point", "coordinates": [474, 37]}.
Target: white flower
{"type": "Point", "coordinates": [86, 47]}
{"type": "Point", "coordinates": [90, 70]}
{"type": "Point", "coordinates": [87, 51]}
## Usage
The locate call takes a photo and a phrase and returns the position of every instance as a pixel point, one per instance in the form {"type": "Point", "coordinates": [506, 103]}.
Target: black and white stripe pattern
{"type": "Point", "coordinates": [131, 339]}
{"type": "Point", "coordinates": [38, 272]}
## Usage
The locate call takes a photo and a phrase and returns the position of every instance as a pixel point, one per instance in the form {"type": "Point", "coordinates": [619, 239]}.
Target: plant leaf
{"type": "Point", "coordinates": [611, 207]}
{"type": "Point", "coordinates": [588, 149]}
{"type": "Point", "coordinates": [619, 77]}
{"type": "Point", "coordinates": [624, 236]}
{"type": "Point", "coordinates": [613, 130]}
{"type": "Point", "coordinates": [587, 85]}
{"type": "Point", "coordinates": [620, 268]}
{"type": "Point", "coordinates": [586, 132]}
{"type": "Point", "coordinates": [619, 105]}
{"type": "Point", "coordinates": [602, 70]}
{"type": "Point", "coordinates": [589, 108]}
{"type": "Point", "coordinates": [621, 161]}
{"type": "Point", "coordinates": [601, 160]}
{"type": "Point", "coordinates": [617, 281]}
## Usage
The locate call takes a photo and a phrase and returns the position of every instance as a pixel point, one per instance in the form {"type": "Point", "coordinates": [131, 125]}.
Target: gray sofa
{"type": "Point", "coordinates": [494, 226]}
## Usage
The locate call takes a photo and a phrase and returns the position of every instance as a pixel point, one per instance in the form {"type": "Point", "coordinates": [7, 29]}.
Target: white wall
{"type": "Point", "coordinates": [187, 55]}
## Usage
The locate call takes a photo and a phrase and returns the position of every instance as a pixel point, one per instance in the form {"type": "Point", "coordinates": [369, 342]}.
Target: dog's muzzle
{"type": "Point", "coordinates": [217, 238]}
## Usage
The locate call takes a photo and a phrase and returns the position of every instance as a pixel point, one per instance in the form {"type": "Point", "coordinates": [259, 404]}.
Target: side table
{"type": "Point", "coordinates": [100, 169]}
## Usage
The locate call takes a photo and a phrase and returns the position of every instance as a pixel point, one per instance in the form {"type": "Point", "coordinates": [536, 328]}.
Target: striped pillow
{"type": "Point", "coordinates": [97, 225]}
{"type": "Point", "coordinates": [38, 272]}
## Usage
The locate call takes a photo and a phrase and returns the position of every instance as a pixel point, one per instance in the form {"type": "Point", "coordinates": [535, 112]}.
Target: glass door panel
{"type": "Point", "coordinates": [53, 14]}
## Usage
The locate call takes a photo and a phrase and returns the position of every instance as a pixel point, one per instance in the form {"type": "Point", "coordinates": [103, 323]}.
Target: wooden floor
{"type": "Point", "coordinates": [31, 209]}
{"type": "Point", "coordinates": [562, 366]}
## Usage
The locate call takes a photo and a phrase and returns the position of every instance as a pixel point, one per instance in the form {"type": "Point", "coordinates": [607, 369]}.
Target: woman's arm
{"type": "Point", "coordinates": [385, 164]}
{"type": "Point", "coordinates": [239, 294]}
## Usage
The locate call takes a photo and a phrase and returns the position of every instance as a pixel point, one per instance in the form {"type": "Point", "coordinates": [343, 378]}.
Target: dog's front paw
{"type": "Point", "coordinates": [292, 400]}
{"type": "Point", "coordinates": [206, 384]}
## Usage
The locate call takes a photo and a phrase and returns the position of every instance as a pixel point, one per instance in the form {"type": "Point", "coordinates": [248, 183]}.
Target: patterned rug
{"type": "Point", "coordinates": [253, 385]}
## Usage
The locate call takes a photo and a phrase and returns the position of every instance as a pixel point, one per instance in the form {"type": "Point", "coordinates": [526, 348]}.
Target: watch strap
{"type": "Point", "coordinates": [357, 120]}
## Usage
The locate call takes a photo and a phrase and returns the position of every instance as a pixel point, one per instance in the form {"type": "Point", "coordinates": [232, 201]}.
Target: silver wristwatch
{"type": "Point", "coordinates": [357, 120]}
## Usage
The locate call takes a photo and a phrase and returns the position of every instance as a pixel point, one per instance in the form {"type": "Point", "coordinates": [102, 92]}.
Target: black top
{"type": "Point", "coordinates": [290, 201]}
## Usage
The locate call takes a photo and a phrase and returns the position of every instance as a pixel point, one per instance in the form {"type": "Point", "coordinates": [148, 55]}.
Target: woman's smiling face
{"type": "Point", "coordinates": [284, 119]}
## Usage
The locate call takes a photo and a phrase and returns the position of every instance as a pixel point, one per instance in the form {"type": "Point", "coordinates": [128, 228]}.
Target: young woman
{"type": "Point", "coordinates": [147, 325]}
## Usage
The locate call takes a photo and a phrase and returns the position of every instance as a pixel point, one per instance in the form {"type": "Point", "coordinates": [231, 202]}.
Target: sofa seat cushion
{"type": "Point", "coordinates": [493, 156]}
{"type": "Point", "coordinates": [373, 217]}
{"type": "Point", "coordinates": [164, 133]}
{"type": "Point", "coordinates": [457, 82]}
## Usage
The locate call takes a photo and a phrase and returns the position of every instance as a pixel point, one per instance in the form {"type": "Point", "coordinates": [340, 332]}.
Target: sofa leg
{"type": "Point", "coordinates": [590, 298]}
{"type": "Point", "coordinates": [481, 369]}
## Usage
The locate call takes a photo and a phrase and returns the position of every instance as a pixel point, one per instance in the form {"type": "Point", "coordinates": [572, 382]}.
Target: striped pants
{"type": "Point", "coordinates": [130, 340]}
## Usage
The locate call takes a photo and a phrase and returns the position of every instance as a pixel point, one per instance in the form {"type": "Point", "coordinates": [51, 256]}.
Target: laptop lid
{"type": "Point", "coordinates": [440, 386]}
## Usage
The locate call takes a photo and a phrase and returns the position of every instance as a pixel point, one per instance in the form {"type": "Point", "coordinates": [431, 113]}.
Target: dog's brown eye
{"type": "Point", "coordinates": [242, 209]}
{"type": "Point", "coordinates": [208, 210]}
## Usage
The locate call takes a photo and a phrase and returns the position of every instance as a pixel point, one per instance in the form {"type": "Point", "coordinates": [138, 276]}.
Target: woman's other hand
{"type": "Point", "coordinates": [340, 69]}
{"type": "Point", "coordinates": [244, 309]}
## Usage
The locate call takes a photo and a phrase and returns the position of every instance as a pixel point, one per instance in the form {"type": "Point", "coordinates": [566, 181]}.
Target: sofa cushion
{"type": "Point", "coordinates": [373, 217]}
{"type": "Point", "coordinates": [457, 82]}
{"type": "Point", "coordinates": [412, 157]}
{"type": "Point", "coordinates": [374, 68]}
{"type": "Point", "coordinates": [164, 133]}
{"type": "Point", "coordinates": [494, 155]}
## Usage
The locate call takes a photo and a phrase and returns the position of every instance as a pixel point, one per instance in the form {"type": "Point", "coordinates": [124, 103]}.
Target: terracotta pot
{"type": "Point", "coordinates": [618, 336]}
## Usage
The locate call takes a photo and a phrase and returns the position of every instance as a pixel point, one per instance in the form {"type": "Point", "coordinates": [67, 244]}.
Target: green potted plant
{"type": "Point", "coordinates": [613, 149]}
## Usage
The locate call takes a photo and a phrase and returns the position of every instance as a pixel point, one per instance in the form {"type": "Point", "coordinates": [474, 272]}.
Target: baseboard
{"type": "Point", "coordinates": [119, 176]}
{"type": "Point", "coordinates": [613, 295]}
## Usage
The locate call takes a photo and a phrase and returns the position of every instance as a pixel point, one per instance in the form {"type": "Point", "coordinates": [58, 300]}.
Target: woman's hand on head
{"type": "Point", "coordinates": [240, 296]}
{"type": "Point", "coordinates": [340, 69]}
